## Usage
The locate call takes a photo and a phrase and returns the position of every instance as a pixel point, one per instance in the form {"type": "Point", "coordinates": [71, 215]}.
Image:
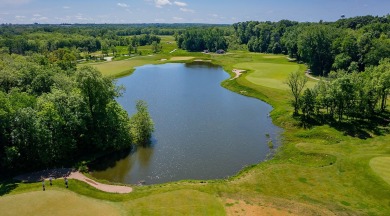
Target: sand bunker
{"type": "Point", "coordinates": [181, 58]}
{"type": "Point", "coordinates": [238, 73]}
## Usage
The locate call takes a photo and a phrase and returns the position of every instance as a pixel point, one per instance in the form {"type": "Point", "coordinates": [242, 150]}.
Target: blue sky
{"type": "Point", "coordinates": [184, 11]}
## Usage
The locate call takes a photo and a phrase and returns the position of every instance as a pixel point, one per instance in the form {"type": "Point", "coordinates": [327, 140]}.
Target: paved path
{"type": "Point", "coordinates": [311, 77]}
{"type": "Point", "coordinates": [103, 187]}
{"type": "Point", "coordinates": [72, 174]}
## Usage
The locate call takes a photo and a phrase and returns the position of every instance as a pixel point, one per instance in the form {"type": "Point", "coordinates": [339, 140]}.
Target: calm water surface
{"type": "Point", "coordinates": [203, 131]}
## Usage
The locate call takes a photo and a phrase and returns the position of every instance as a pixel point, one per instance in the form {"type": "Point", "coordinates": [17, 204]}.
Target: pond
{"type": "Point", "coordinates": [202, 130]}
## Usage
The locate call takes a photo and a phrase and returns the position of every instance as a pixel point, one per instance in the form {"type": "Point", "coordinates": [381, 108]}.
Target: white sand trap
{"type": "Point", "coordinates": [237, 72]}
{"type": "Point", "coordinates": [201, 60]}
{"type": "Point", "coordinates": [108, 58]}
{"type": "Point", "coordinates": [181, 58]}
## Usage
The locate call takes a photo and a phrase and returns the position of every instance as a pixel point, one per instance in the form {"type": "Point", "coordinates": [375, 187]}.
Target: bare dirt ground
{"type": "Point", "coordinates": [242, 208]}
{"type": "Point", "coordinates": [72, 174]}
{"type": "Point", "coordinates": [261, 207]}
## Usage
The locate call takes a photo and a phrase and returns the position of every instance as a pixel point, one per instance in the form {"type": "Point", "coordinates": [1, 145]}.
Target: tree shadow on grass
{"type": "Point", "coordinates": [377, 125]}
{"type": "Point", "coordinates": [7, 186]}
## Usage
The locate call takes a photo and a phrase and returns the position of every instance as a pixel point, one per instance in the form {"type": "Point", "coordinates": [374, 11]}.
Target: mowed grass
{"type": "Point", "coordinates": [54, 202]}
{"type": "Point", "coordinates": [181, 202]}
{"type": "Point", "coordinates": [272, 75]}
{"type": "Point", "coordinates": [381, 165]}
{"type": "Point", "coordinates": [119, 68]}
{"type": "Point", "coordinates": [124, 67]}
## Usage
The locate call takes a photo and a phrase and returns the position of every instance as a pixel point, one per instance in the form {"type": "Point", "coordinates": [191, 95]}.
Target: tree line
{"type": "Point", "coordinates": [21, 39]}
{"type": "Point", "coordinates": [344, 96]}
{"type": "Point", "coordinates": [197, 39]}
{"type": "Point", "coordinates": [350, 44]}
{"type": "Point", "coordinates": [53, 117]}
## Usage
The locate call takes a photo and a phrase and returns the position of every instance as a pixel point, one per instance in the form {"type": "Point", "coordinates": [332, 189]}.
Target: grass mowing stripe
{"type": "Point", "coordinates": [381, 166]}
{"type": "Point", "coordinates": [54, 202]}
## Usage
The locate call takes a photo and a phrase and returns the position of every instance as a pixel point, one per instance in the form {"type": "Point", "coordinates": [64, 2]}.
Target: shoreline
{"type": "Point", "coordinates": [70, 173]}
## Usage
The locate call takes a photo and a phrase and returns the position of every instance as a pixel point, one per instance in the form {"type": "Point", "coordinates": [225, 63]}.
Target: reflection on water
{"type": "Point", "coordinates": [115, 163]}
{"type": "Point", "coordinates": [203, 131]}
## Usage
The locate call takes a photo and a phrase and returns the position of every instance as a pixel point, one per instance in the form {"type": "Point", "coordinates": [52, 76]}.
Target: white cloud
{"type": "Point", "coordinates": [187, 10]}
{"type": "Point", "coordinates": [39, 19]}
{"type": "Point", "coordinates": [15, 2]}
{"type": "Point", "coordinates": [37, 15]}
{"type": "Point", "coordinates": [177, 18]}
{"type": "Point", "coordinates": [81, 17]}
{"type": "Point", "coordinates": [180, 4]}
{"type": "Point", "coordinates": [19, 17]}
{"type": "Point", "coordinates": [123, 5]}
{"type": "Point", "coordinates": [66, 7]}
{"type": "Point", "coordinates": [160, 3]}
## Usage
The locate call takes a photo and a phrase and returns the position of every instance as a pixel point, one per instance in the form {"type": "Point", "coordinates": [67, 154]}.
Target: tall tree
{"type": "Point", "coordinates": [296, 81]}
{"type": "Point", "coordinates": [142, 125]}
{"type": "Point", "coordinates": [315, 48]}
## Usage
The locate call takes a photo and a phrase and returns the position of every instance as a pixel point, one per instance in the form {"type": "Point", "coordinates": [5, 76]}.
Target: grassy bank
{"type": "Point", "coordinates": [317, 171]}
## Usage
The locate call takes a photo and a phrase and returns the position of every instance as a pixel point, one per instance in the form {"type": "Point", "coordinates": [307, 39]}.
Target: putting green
{"type": "Point", "coordinates": [181, 202]}
{"type": "Point", "coordinates": [52, 202]}
{"type": "Point", "coordinates": [268, 74]}
{"type": "Point", "coordinates": [381, 165]}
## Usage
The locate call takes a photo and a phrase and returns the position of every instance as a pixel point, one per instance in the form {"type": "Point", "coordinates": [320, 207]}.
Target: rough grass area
{"type": "Point", "coordinates": [54, 202]}
{"type": "Point", "coordinates": [181, 202]}
{"type": "Point", "coordinates": [381, 166]}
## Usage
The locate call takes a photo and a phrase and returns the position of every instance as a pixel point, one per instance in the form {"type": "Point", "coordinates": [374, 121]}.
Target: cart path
{"type": "Point", "coordinates": [72, 174]}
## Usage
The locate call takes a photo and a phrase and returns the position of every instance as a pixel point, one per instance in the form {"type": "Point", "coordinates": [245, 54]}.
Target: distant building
{"type": "Point", "coordinates": [220, 51]}
{"type": "Point", "coordinates": [206, 51]}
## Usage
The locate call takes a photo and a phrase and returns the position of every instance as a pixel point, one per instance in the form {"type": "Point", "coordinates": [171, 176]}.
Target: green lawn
{"type": "Point", "coordinates": [381, 165]}
{"type": "Point", "coordinates": [54, 202]}
{"type": "Point", "coordinates": [124, 67]}
{"type": "Point", "coordinates": [272, 75]}
{"type": "Point", "coordinates": [181, 202]}
{"type": "Point", "coordinates": [317, 171]}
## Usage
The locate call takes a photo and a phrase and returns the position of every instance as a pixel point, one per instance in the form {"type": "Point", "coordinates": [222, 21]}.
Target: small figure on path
{"type": "Point", "coordinates": [50, 180]}
{"type": "Point", "coordinates": [66, 182]}
{"type": "Point", "coordinates": [43, 184]}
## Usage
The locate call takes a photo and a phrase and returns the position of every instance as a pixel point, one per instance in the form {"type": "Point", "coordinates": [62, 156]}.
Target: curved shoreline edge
{"type": "Point", "coordinates": [230, 84]}
{"type": "Point", "coordinates": [71, 174]}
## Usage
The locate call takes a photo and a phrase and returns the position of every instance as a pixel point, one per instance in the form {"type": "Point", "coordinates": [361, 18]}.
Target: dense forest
{"type": "Point", "coordinates": [345, 97]}
{"type": "Point", "coordinates": [22, 39]}
{"type": "Point", "coordinates": [349, 44]}
{"type": "Point", "coordinates": [51, 117]}
{"type": "Point", "coordinates": [53, 113]}
{"type": "Point", "coordinates": [211, 39]}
